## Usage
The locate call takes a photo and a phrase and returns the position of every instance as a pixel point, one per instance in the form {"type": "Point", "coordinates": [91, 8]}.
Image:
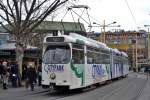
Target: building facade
{"type": "Point", "coordinates": [148, 47]}
{"type": "Point", "coordinates": [8, 53]}
{"type": "Point", "coordinates": [133, 43]}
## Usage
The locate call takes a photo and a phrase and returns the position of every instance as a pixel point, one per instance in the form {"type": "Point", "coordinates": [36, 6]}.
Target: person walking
{"type": "Point", "coordinates": [26, 77]}
{"type": "Point", "coordinates": [24, 68]}
{"type": "Point", "coordinates": [31, 76]}
{"type": "Point", "coordinates": [5, 74]}
{"type": "Point", "coordinates": [39, 74]}
{"type": "Point", "coordinates": [14, 74]}
{"type": "Point", "coordinates": [1, 72]}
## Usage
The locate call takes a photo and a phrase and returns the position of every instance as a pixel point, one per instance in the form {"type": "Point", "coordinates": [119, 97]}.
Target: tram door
{"type": "Point", "coordinates": [78, 62]}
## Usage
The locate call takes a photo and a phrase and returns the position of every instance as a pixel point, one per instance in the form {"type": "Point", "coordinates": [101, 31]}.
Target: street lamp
{"type": "Point", "coordinates": [103, 26]}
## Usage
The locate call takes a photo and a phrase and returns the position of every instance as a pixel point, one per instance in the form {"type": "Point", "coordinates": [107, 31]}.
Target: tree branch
{"type": "Point", "coordinates": [25, 6]}
{"type": "Point", "coordinates": [32, 9]}
{"type": "Point", "coordinates": [7, 18]}
{"type": "Point", "coordinates": [6, 28]}
{"type": "Point", "coordinates": [20, 13]}
{"type": "Point", "coordinates": [16, 9]}
{"type": "Point", "coordinates": [48, 11]}
{"type": "Point", "coordinates": [11, 10]}
{"type": "Point", "coordinates": [42, 16]}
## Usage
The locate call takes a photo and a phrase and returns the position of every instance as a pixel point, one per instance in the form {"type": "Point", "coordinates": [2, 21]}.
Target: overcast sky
{"type": "Point", "coordinates": [117, 10]}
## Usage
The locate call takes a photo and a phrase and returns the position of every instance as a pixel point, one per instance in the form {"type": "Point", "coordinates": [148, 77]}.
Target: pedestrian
{"type": "Point", "coordinates": [31, 76]}
{"type": "Point", "coordinates": [26, 72]}
{"type": "Point", "coordinates": [1, 72]}
{"type": "Point", "coordinates": [14, 71]}
{"type": "Point", "coordinates": [5, 74]}
{"type": "Point", "coordinates": [24, 68]}
{"type": "Point", "coordinates": [39, 74]}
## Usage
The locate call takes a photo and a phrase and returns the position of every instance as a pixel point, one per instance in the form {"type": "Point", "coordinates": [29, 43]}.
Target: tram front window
{"type": "Point", "coordinates": [57, 54]}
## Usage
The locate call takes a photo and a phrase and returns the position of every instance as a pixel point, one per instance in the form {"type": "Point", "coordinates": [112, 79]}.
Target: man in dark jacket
{"type": "Point", "coordinates": [14, 74]}
{"type": "Point", "coordinates": [31, 74]}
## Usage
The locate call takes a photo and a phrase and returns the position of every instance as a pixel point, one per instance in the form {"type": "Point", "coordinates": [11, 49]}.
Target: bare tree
{"type": "Point", "coordinates": [21, 17]}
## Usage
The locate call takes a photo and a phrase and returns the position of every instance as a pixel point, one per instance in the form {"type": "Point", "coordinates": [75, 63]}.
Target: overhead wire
{"type": "Point", "coordinates": [133, 17]}
{"type": "Point", "coordinates": [80, 16]}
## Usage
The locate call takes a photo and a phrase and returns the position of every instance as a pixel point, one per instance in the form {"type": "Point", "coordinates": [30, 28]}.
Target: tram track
{"type": "Point", "coordinates": [100, 91]}
{"type": "Point", "coordinates": [123, 91]}
{"type": "Point", "coordinates": [72, 92]}
{"type": "Point", "coordinates": [116, 90]}
{"type": "Point", "coordinates": [140, 91]}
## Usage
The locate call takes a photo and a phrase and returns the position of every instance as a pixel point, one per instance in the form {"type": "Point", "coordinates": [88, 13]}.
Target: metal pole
{"type": "Point", "coordinates": [104, 32]}
{"type": "Point", "coordinates": [133, 61]}
{"type": "Point", "coordinates": [136, 62]}
{"type": "Point", "coordinates": [148, 47]}
{"type": "Point", "coordinates": [101, 37]}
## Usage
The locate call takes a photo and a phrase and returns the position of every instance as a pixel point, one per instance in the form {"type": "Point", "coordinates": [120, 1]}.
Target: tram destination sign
{"type": "Point", "coordinates": [55, 39]}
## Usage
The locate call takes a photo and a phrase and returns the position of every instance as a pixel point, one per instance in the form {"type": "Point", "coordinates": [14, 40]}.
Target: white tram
{"type": "Point", "coordinates": [75, 61]}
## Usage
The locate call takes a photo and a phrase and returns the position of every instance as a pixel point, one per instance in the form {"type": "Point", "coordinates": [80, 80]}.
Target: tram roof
{"type": "Point", "coordinates": [76, 38]}
{"type": "Point", "coordinates": [116, 51]}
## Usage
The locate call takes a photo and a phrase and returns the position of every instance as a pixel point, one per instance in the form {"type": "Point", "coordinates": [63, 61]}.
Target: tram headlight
{"type": "Point", "coordinates": [52, 76]}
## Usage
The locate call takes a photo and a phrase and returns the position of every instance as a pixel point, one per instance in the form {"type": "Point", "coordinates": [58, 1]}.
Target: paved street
{"type": "Point", "coordinates": [135, 87]}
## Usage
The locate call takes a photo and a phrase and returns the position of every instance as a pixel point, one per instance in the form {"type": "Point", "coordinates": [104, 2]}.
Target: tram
{"type": "Point", "coordinates": [75, 61]}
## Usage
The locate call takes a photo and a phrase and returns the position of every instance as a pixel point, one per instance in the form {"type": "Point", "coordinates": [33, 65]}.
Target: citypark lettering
{"type": "Point", "coordinates": [97, 71]}
{"type": "Point", "coordinates": [54, 68]}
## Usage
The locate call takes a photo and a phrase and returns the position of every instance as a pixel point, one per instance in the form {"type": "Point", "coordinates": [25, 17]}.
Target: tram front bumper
{"type": "Point", "coordinates": [61, 83]}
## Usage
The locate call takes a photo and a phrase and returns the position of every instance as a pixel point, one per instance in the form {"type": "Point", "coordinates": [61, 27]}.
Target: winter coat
{"type": "Point", "coordinates": [31, 74]}
{"type": "Point", "coordinates": [14, 69]}
{"type": "Point", "coordinates": [1, 69]}
{"type": "Point", "coordinates": [4, 70]}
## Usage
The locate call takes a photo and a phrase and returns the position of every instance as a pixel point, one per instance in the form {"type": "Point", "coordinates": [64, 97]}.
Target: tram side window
{"type": "Point", "coordinates": [117, 58]}
{"type": "Point", "coordinates": [126, 60]}
{"type": "Point", "coordinates": [90, 57]}
{"type": "Point", "coordinates": [105, 58]}
{"type": "Point", "coordinates": [78, 56]}
{"type": "Point", "coordinates": [97, 58]}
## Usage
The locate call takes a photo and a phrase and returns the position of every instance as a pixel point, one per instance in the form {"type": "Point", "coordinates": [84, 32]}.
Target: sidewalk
{"type": "Point", "coordinates": [20, 90]}
{"type": "Point", "coordinates": [145, 95]}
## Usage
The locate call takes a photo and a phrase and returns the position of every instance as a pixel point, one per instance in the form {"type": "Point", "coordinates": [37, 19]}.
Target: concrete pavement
{"type": "Point", "coordinates": [145, 94]}
{"type": "Point", "coordinates": [124, 89]}
{"type": "Point", "coordinates": [19, 90]}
